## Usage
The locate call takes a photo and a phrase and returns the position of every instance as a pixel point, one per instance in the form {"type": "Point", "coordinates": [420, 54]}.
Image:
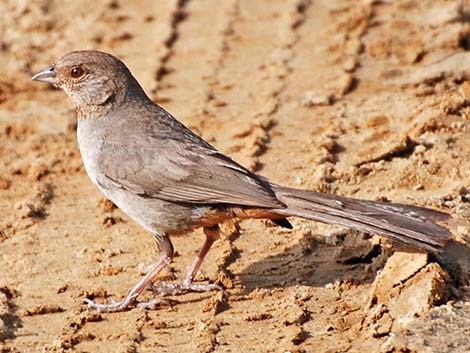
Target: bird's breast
{"type": "Point", "coordinates": [90, 138]}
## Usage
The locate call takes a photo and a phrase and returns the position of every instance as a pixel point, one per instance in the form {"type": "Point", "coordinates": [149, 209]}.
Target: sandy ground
{"type": "Point", "coordinates": [363, 98]}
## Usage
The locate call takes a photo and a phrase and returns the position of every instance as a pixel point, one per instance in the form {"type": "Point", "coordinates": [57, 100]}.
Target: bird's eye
{"type": "Point", "coordinates": [76, 72]}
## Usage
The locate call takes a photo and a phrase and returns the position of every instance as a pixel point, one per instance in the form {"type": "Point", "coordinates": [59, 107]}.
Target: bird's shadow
{"type": "Point", "coordinates": [313, 263]}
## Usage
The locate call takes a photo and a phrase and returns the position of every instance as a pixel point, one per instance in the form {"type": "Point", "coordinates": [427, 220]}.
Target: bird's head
{"type": "Point", "coordinates": [93, 80]}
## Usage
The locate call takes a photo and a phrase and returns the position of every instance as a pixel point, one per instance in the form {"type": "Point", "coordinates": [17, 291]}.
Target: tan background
{"type": "Point", "coordinates": [361, 98]}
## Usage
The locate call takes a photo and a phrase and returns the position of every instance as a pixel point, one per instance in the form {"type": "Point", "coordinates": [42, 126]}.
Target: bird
{"type": "Point", "coordinates": [171, 181]}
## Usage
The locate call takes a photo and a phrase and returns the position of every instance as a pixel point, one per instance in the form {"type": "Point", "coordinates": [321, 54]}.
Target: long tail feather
{"type": "Point", "coordinates": [412, 225]}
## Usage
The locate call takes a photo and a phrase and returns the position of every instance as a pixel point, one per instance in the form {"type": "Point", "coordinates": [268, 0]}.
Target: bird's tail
{"type": "Point", "coordinates": [415, 226]}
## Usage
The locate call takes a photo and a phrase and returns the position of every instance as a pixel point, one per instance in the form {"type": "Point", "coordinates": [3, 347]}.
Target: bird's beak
{"type": "Point", "coordinates": [48, 75]}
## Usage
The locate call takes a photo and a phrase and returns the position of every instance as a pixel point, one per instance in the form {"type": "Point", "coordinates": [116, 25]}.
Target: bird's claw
{"type": "Point", "coordinates": [166, 289]}
{"type": "Point", "coordinates": [113, 306]}
{"type": "Point", "coordinates": [124, 305]}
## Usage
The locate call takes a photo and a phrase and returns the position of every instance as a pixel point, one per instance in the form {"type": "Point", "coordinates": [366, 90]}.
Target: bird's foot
{"type": "Point", "coordinates": [166, 289]}
{"type": "Point", "coordinates": [124, 305]}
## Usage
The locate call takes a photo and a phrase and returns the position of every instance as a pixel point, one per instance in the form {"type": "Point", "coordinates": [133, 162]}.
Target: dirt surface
{"type": "Point", "coordinates": [363, 98]}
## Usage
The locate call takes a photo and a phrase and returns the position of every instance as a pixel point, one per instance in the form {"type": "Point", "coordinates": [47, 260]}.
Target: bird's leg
{"type": "Point", "coordinates": [187, 285]}
{"type": "Point", "coordinates": [212, 234]}
{"type": "Point", "coordinates": [166, 256]}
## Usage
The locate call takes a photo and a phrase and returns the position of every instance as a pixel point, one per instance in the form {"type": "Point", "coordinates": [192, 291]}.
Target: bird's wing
{"type": "Point", "coordinates": [176, 165]}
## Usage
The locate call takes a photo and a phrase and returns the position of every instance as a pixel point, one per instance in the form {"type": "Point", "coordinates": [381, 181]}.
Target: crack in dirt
{"type": "Point", "coordinates": [224, 48]}
{"type": "Point", "coordinates": [263, 118]}
{"type": "Point", "coordinates": [178, 16]}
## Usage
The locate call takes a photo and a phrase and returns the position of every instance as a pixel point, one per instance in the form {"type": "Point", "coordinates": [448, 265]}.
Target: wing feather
{"type": "Point", "coordinates": [178, 166]}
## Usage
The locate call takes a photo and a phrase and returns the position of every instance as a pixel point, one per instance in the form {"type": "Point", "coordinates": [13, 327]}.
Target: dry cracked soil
{"type": "Point", "coordinates": [369, 99]}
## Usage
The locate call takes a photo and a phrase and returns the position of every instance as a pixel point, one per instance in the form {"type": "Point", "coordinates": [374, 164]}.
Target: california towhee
{"type": "Point", "coordinates": [171, 181]}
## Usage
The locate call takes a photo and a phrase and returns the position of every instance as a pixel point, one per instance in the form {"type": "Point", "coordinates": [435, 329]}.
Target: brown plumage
{"type": "Point", "coordinates": [171, 181]}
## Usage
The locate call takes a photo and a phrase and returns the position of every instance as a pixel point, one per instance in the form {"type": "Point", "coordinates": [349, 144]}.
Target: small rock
{"type": "Point", "coordinates": [105, 205]}
{"type": "Point", "coordinates": [425, 290]}
{"type": "Point", "coordinates": [216, 304]}
{"type": "Point", "coordinates": [350, 64]}
{"type": "Point", "coordinates": [4, 183]}
{"type": "Point", "coordinates": [399, 268]}
{"type": "Point", "coordinates": [312, 98]}
{"type": "Point", "coordinates": [258, 317]}
{"type": "Point", "coordinates": [42, 309]}
{"type": "Point", "coordinates": [345, 84]}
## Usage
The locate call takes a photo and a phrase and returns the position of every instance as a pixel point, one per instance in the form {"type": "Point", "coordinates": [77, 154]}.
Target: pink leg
{"type": "Point", "coordinates": [212, 234]}
{"type": "Point", "coordinates": [166, 256]}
